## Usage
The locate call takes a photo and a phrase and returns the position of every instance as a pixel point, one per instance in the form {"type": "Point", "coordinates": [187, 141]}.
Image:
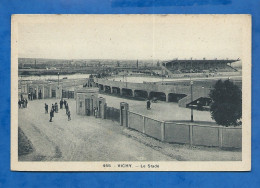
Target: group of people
{"type": "Point", "coordinates": [55, 108]}
{"type": "Point", "coordinates": [22, 103]}
{"type": "Point", "coordinates": [31, 96]}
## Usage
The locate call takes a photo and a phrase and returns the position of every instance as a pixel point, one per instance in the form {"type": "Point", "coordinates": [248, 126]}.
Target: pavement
{"type": "Point", "coordinates": [86, 138]}
{"type": "Point", "coordinates": [160, 110]}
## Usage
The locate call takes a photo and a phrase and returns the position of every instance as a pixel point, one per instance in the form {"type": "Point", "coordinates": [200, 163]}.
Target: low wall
{"type": "Point", "coordinates": [135, 121]}
{"type": "Point", "coordinates": [205, 136]}
{"type": "Point", "coordinates": [153, 128]}
{"type": "Point", "coordinates": [186, 133]}
{"type": "Point", "coordinates": [232, 138]}
{"type": "Point", "coordinates": [178, 133]}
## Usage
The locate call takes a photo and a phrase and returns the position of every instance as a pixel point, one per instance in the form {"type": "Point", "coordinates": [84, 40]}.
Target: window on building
{"type": "Point", "coordinates": [80, 104]}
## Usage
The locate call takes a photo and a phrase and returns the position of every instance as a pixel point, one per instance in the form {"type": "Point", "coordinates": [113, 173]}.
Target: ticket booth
{"type": "Point", "coordinates": [87, 101]}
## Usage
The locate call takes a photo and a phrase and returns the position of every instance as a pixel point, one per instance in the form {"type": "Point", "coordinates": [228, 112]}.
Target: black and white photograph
{"type": "Point", "coordinates": [131, 93]}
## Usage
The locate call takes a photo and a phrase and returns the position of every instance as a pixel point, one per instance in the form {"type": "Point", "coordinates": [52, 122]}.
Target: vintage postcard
{"type": "Point", "coordinates": [131, 93]}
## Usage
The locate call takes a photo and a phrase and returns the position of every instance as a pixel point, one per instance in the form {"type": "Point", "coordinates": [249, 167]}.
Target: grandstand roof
{"type": "Point", "coordinates": [203, 60]}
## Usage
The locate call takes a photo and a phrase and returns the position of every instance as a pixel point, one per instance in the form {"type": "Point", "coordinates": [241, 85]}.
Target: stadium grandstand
{"type": "Point", "coordinates": [199, 66]}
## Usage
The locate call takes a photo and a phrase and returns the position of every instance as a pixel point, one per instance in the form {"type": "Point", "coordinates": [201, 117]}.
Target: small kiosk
{"type": "Point", "coordinates": [87, 101]}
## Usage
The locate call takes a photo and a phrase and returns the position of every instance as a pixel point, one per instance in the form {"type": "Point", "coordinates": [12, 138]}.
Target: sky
{"type": "Point", "coordinates": [130, 37]}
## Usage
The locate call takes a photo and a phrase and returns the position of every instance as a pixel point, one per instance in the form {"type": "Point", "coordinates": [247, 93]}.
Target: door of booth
{"type": "Point", "coordinates": [87, 107]}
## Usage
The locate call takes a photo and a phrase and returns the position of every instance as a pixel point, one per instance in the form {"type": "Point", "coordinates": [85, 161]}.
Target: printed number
{"type": "Point", "coordinates": [106, 165]}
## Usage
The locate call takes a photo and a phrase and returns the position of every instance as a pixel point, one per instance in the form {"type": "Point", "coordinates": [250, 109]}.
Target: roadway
{"type": "Point", "coordinates": [86, 138]}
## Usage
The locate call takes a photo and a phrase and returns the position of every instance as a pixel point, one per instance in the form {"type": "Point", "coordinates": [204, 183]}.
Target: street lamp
{"type": "Point", "coordinates": [191, 94]}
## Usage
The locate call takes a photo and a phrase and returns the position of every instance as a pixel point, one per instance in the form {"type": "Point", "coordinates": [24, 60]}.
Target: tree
{"type": "Point", "coordinates": [226, 106]}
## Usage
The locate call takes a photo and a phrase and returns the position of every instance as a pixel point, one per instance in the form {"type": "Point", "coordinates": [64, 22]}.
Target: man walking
{"type": "Point", "coordinates": [61, 104]}
{"type": "Point", "coordinates": [67, 108]}
{"type": "Point", "coordinates": [46, 108]}
{"type": "Point", "coordinates": [19, 103]}
{"type": "Point", "coordinates": [65, 103]}
{"type": "Point", "coordinates": [51, 115]}
{"type": "Point", "coordinates": [148, 105]}
{"type": "Point", "coordinates": [69, 118]}
{"type": "Point", "coordinates": [53, 109]}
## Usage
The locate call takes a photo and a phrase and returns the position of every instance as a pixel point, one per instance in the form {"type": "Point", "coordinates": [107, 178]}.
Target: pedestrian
{"type": "Point", "coordinates": [65, 103]}
{"type": "Point", "coordinates": [61, 104]}
{"type": "Point", "coordinates": [51, 115]}
{"type": "Point", "coordinates": [22, 103]}
{"type": "Point", "coordinates": [69, 118]}
{"type": "Point", "coordinates": [19, 103]}
{"type": "Point", "coordinates": [53, 109]}
{"type": "Point", "coordinates": [67, 108]}
{"type": "Point", "coordinates": [46, 108]}
{"type": "Point", "coordinates": [148, 105]}
{"type": "Point", "coordinates": [26, 102]}
{"type": "Point", "coordinates": [96, 112]}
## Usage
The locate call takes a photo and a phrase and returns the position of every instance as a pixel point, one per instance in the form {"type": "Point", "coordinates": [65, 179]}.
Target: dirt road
{"type": "Point", "coordinates": [81, 139]}
{"type": "Point", "coordinates": [89, 139]}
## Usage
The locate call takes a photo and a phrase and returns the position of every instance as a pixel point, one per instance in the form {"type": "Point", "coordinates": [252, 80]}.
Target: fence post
{"type": "Point", "coordinates": [143, 124]}
{"type": "Point", "coordinates": [191, 134]}
{"type": "Point", "coordinates": [162, 131]}
{"type": "Point", "coordinates": [220, 134]}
